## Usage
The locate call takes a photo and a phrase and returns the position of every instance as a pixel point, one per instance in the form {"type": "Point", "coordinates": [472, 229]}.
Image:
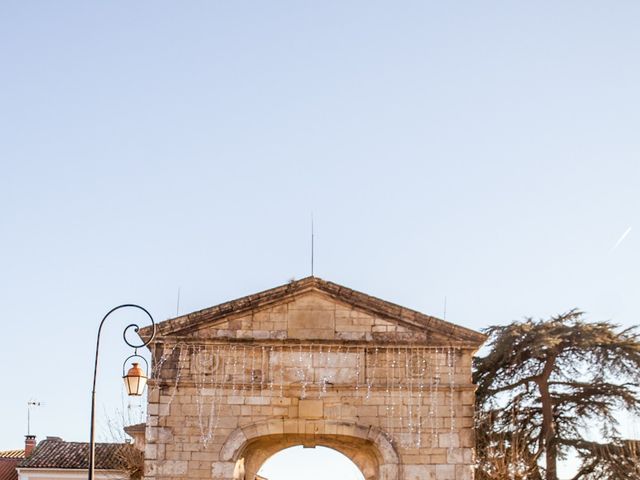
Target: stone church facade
{"type": "Point", "coordinates": [310, 363]}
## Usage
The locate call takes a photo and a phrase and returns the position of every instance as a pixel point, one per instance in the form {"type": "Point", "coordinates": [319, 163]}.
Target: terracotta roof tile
{"type": "Point", "coordinates": [12, 454]}
{"type": "Point", "coordinates": [53, 453]}
{"type": "Point", "coordinates": [8, 468]}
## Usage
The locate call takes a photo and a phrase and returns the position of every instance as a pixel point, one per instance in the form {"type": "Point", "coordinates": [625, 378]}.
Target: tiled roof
{"type": "Point", "coordinates": [9, 460]}
{"type": "Point", "coordinates": [8, 468]}
{"type": "Point", "coordinates": [12, 454]}
{"type": "Point", "coordinates": [54, 453]}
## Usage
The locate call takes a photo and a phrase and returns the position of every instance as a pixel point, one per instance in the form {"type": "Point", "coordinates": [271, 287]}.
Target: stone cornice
{"type": "Point", "coordinates": [183, 325]}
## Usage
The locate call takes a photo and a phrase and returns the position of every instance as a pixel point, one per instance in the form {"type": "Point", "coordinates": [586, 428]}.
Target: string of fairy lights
{"type": "Point", "coordinates": [413, 387]}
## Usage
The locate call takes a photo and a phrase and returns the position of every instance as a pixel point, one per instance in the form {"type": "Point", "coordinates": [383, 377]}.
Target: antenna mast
{"type": "Point", "coordinates": [30, 403]}
{"type": "Point", "coordinates": [444, 317]}
{"type": "Point", "coordinates": [312, 246]}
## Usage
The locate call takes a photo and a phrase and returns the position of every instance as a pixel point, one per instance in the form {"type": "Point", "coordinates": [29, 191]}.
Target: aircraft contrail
{"type": "Point", "coordinates": [621, 239]}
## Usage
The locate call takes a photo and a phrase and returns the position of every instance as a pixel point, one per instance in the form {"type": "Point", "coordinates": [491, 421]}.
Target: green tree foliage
{"type": "Point", "coordinates": [543, 388]}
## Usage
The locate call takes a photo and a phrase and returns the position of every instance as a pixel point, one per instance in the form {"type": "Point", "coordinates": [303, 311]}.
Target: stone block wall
{"type": "Point", "coordinates": [427, 419]}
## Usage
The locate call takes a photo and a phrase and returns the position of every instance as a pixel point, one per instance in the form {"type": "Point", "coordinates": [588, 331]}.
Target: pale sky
{"type": "Point", "coordinates": [486, 152]}
{"type": "Point", "coordinates": [288, 464]}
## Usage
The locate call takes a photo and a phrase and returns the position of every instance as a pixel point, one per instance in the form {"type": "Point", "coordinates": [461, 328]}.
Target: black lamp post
{"type": "Point", "coordinates": [135, 379]}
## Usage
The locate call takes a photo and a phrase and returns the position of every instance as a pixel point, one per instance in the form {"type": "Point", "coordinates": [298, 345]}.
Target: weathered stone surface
{"type": "Point", "coordinates": [310, 409]}
{"type": "Point", "coordinates": [419, 472]}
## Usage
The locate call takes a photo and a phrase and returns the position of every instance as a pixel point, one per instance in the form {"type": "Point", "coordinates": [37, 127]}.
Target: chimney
{"type": "Point", "coordinates": [29, 444]}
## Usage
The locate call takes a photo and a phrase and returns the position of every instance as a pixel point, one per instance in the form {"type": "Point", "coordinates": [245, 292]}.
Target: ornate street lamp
{"type": "Point", "coordinates": [135, 379]}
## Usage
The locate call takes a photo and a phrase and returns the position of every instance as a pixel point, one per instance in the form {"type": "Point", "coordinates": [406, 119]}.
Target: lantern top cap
{"type": "Point", "coordinates": [136, 371]}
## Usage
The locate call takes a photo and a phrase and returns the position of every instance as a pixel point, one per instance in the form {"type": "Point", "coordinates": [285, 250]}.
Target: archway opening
{"type": "Point", "coordinates": [317, 463]}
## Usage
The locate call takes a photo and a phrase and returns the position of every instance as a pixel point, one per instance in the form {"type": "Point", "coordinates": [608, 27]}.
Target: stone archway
{"type": "Point", "coordinates": [310, 363]}
{"type": "Point", "coordinates": [248, 447]}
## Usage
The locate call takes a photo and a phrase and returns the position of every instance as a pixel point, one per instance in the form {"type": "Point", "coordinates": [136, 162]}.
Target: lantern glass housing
{"type": "Point", "coordinates": [135, 380]}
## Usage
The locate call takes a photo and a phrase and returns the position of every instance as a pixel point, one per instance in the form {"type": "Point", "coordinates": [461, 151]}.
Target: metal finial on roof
{"type": "Point", "coordinates": [312, 246]}
{"type": "Point", "coordinates": [444, 315]}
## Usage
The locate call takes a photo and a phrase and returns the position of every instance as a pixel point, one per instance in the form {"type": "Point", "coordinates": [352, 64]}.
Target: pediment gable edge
{"type": "Point", "coordinates": [186, 324]}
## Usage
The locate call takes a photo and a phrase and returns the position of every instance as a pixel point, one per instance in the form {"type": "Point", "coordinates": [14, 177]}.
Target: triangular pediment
{"type": "Point", "coordinates": [312, 309]}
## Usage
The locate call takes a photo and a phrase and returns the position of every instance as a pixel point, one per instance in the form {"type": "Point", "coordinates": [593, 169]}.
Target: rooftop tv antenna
{"type": "Point", "coordinates": [30, 404]}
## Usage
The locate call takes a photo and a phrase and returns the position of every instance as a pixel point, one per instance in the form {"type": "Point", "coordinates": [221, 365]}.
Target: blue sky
{"type": "Point", "coordinates": [483, 152]}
